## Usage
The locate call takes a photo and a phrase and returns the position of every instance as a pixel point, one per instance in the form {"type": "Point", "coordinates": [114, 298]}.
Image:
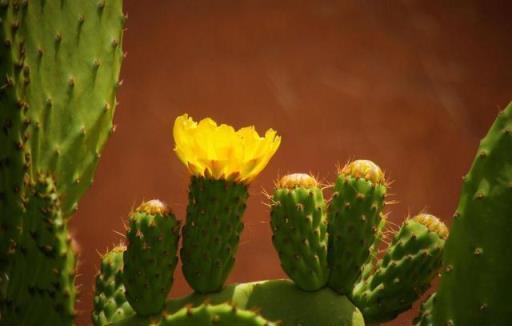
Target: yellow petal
{"type": "Point", "coordinates": [220, 152]}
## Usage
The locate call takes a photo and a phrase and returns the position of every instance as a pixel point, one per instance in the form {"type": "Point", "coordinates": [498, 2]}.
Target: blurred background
{"type": "Point", "coordinates": [411, 85]}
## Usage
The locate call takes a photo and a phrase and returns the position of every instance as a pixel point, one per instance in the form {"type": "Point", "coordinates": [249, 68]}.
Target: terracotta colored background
{"type": "Point", "coordinates": [411, 85]}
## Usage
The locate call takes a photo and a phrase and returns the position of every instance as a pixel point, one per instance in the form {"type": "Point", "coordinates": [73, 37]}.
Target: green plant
{"type": "Point", "coordinates": [59, 70]}
{"type": "Point", "coordinates": [474, 285]}
{"type": "Point", "coordinates": [303, 225]}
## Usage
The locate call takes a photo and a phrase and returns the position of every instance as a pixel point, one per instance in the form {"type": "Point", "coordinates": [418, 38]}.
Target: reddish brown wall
{"type": "Point", "coordinates": [411, 86]}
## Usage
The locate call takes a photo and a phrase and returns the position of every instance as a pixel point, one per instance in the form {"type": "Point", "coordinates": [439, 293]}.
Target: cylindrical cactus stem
{"type": "Point", "coordinates": [150, 259]}
{"type": "Point", "coordinates": [40, 289]}
{"type": "Point", "coordinates": [354, 219]}
{"type": "Point", "coordinates": [299, 227]}
{"type": "Point", "coordinates": [475, 286]}
{"type": "Point", "coordinates": [220, 314]}
{"type": "Point", "coordinates": [211, 234]}
{"type": "Point", "coordinates": [405, 272]}
{"type": "Point", "coordinates": [110, 303]}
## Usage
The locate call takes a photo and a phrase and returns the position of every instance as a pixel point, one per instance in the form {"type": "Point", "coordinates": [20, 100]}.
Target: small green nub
{"type": "Point", "coordinates": [355, 222]}
{"type": "Point", "coordinates": [221, 314]}
{"type": "Point", "coordinates": [299, 227]}
{"type": "Point", "coordinates": [212, 232]}
{"type": "Point", "coordinates": [405, 272]}
{"type": "Point", "coordinates": [110, 303]}
{"type": "Point", "coordinates": [150, 260]}
{"type": "Point", "coordinates": [425, 316]}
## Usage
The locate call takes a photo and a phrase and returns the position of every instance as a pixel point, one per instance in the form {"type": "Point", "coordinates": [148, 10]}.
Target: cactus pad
{"type": "Point", "coordinates": [221, 314]}
{"type": "Point", "coordinates": [150, 259]}
{"type": "Point", "coordinates": [212, 232]}
{"type": "Point", "coordinates": [40, 290]}
{"type": "Point", "coordinates": [355, 215]}
{"type": "Point", "coordinates": [275, 300]}
{"type": "Point", "coordinates": [299, 227]}
{"type": "Point", "coordinates": [405, 272]}
{"type": "Point", "coordinates": [110, 303]}
{"type": "Point", "coordinates": [475, 285]}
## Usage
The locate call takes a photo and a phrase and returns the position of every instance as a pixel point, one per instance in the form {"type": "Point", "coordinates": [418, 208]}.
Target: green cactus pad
{"type": "Point", "coordinates": [275, 300]}
{"type": "Point", "coordinates": [475, 285]}
{"type": "Point", "coordinates": [212, 232]}
{"type": "Point", "coordinates": [405, 272]}
{"type": "Point", "coordinates": [40, 290]}
{"type": "Point", "coordinates": [150, 260]}
{"type": "Point", "coordinates": [425, 316]}
{"type": "Point", "coordinates": [354, 218]}
{"type": "Point", "coordinates": [299, 227]}
{"type": "Point", "coordinates": [110, 303]}
{"type": "Point", "coordinates": [59, 80]}
{"type": "Point", "coordinates": [222, 314]}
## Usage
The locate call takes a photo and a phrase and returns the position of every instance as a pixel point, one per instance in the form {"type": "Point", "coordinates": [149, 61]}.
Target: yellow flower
{"type": "Point", "coordinates": [220, 152]}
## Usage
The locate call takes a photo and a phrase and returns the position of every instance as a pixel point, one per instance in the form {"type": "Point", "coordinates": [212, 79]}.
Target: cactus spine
{"type": "Point", "coordinates": [110, 303]}
{"type": "Point", "coordinates": [299, 227]}
{"type": "Point", "coordinates": [475, 286]}
{"type": "Point", "coordinates": [150, 259]}
{"type": "Point", "coordinates": [355, 213]}
{"type": "Point", "coordinates": [212, 231]}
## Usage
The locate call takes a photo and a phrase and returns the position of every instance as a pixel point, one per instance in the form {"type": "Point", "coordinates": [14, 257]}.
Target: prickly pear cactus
{"type": "Point", "coordinates": [405, 272]}
{"type": "Point", "coordinates": [299, 228]}
{"type": "Point", "coordinates": [475, 285]}
{"type": "Point", "coordinates": [59, 70]}
{"type": "Point", "coordinates": [223, 162]}
{"type": "Point", "coordinates": [275, 300]}
{"type": "Point", "coordinates": [109, 302]}
{"type": "Point", "coordinates": [212, 232]}
{"type": "Point", "coordinates": [355, 212]}
{"type": "Point", "coordinates": [150, 259]}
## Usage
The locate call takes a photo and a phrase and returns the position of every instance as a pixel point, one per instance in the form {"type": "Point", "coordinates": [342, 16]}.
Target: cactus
{"type": "Point", "coordinates": [276, 300]}
{"type": "Point", "coordinates": [150, 259]}
{"type": "Point", "coordinates": [222, 162]}
{"type": "Point", "coordinates": [299, 227]}
{"type": "Point", "coordinates": [377, 289]}
{"type": "Point", "coordinates": [405, 271]}
{"type": "Point", "coordinates": [354, 217]}
{"type": "Point", "coordinates": [59, 70]}
{"type": "Point", "coordinates": [212, 232]}
{"type": "Point", "coordinates": [41, 273]}
{"type": "Point", "coordinates": [474, 287]}
{"type": "Point", "coordinates": [110, 303]}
